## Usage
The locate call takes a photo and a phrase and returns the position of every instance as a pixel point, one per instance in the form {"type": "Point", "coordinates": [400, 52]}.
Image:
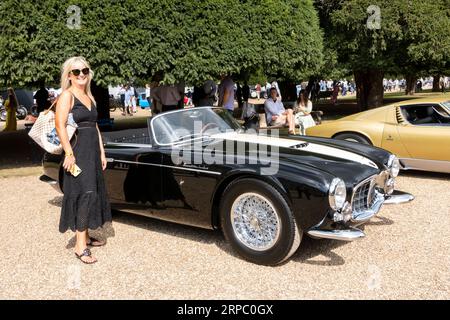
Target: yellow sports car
{"type": "Point", "coordinates": [417, 131]}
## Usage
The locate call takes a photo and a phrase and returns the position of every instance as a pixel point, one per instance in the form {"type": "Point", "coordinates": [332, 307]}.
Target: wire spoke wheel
{"type": "Point", "coordinates": [255, 221]}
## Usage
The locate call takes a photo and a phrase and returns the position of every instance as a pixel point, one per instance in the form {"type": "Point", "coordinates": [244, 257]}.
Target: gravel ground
{"type": "Point", "coordinates": [404, 256]}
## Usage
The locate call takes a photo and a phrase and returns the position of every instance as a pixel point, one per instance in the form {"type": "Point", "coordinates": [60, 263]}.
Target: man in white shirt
{"type": "Point", "coordinates": [276, 114]}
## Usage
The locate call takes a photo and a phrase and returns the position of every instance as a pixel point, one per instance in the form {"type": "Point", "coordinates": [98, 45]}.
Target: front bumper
{"type": "Point", "coordinates": [348, 232]}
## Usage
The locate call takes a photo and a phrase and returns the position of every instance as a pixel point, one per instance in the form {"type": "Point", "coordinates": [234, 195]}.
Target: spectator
{"type": "Point", "coordinates": [335, 92]}
{"type": "Point", "coordinates": [205, 96]}
{"type": "Point", "coordinates": [275, 85]}
{"type": "Point", "coordinates": [226, 94]}
{"type": "Point", "coordinates": [258, 91]}
{"type": "Point", "coordinates": [276, 114]}
{"type": "Point", "coordinates": [147, 94]}
{"type": "Point", "coordinates": [128, 104]}
{"type": "Point", "coordinates": [189, 96]}
{"type": "Point", "coordinates": [41, 97]}
{"type": "Point", "coordinates": [302, 111]}
{"type": "Point", "coordinates": [268, 87]}
{"type": "Point", "coordinates": [168, 96]}
{"type": "Point", "coordinates": [246, 93]}
{"type": "Point", "coordinates": [134, 98]}
{"type": "Point", "coordinates": [443, 83]}
{"type": "Point", "coordinates": [239, 95]}
{"type": "Point", "coordinates": [11, 105]}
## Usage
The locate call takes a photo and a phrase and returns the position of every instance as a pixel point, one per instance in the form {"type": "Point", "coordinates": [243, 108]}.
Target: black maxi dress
{"type": "Point", "coordinates": [85, 203]}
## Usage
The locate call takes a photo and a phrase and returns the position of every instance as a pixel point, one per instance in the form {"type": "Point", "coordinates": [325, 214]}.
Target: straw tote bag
{"type": "Point", "coordinates": [44, 132]}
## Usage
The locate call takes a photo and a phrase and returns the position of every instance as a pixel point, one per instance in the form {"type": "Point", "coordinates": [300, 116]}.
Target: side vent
{"type": "Point", "coordinates": [399, 115]}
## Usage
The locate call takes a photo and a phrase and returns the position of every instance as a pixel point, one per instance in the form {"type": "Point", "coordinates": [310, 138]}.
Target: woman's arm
{"type": "Point", "coordinates": [63, 107]}
{"type": "Point", "coordinates": [102, 150]}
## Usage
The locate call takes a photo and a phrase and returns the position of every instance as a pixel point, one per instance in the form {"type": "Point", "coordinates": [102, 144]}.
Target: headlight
{"type": "Point", "coordinates": [337, 194]}
{"type": "Point", "coordinates": [394, 166]}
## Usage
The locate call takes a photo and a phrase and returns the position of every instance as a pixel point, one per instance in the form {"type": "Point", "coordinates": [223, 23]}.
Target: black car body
{"type": "Point", "coordinates": [198, 167]}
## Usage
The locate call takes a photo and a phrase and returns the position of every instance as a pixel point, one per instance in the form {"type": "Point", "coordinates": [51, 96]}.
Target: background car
{"type": "Point", "coordinates": [417, 132]}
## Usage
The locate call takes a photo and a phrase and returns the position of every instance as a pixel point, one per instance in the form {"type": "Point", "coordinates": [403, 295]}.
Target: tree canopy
{"type": "Point", "coordinates": [185, 40]}
{"type": "Point", "coordinates": [374, 37]}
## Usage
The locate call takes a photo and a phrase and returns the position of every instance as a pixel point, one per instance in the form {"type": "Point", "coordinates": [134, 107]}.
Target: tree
{"type": "Point", "coordinates": [394, 36]}
{"type": "Point", "coordinates": [184, 40]}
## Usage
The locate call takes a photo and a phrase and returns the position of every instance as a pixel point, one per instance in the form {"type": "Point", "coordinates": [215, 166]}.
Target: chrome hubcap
{"type": "Point", "coordinates": [255, 221]}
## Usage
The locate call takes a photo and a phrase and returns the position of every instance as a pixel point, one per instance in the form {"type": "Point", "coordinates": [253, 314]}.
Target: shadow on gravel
{"type": "Point", "coordinates": [56, 201]}
{"type": "Point", "coordinates": [378, 221]}
{"type": "Point", "coordinates": [310, 249]}
{"type": "Point", "coordinates": [174, 229]}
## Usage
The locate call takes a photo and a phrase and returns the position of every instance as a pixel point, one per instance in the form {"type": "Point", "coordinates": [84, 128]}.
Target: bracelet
{"type": "Point", "coordinates": [70, 154]}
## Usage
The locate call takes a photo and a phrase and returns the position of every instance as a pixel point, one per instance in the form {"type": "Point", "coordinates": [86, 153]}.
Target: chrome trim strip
{"type": "Point", "coordinates": [425, 165]}
{"type": "Point", "coordinates": [350, 234]}
{"type": "Point", "coordinates": [171, 167]}
{"type": "Point", "coordinates": [127, 144]}
{"type": "Point", "coordinates": [399, 197]}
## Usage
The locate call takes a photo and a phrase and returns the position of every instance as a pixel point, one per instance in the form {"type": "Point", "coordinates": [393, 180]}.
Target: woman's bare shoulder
{"type": "Point", "coordinates": [64, 99]}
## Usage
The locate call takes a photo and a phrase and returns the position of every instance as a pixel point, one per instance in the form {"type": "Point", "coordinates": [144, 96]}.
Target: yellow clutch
{"type": "Point", "coordinates": [75, 170]}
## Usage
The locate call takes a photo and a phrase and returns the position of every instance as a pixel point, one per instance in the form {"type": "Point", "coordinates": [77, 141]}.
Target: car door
{"type": "Point", "coordinates": [187, 188]}
{"type": "Point", "coordinates": [426, 141]}
{"type": "Point", "coordinates": [133, 176]}
{"type": "Point", "coordinates": [391, 139]}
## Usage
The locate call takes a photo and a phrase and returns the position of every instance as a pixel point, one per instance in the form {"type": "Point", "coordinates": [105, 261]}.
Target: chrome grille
{"type": "Point", "coordinates": [364, 197]}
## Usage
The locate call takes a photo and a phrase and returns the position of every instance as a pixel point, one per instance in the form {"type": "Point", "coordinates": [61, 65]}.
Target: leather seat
{"type": "Point", "coordinates": [428, 118]}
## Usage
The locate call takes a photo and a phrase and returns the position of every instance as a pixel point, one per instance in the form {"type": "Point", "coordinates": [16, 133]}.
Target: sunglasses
{"type": "Point", "coordinates": [76, 72]}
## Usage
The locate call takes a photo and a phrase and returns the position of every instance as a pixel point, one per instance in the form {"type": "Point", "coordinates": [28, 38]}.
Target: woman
{"type": "Point", "coordinates": [302, 111]}
{"type": "Point", "coordinates": [85, 204]}
{"type": "Point", "coordinates": [11, 107]}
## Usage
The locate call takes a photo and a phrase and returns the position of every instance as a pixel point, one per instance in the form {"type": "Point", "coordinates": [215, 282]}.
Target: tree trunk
{"type": "Point", "coordinates": [436, 87]}
{"type": "Point", "coordinates": [411, 82]}
{"type": "Point", "coordinates": [369, 88]}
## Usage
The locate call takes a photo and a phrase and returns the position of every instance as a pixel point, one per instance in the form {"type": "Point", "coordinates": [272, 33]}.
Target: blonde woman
{"type": "Point", "coordinates": [11, 107]}
{"type": "Point", "coordinates": [85, 204]}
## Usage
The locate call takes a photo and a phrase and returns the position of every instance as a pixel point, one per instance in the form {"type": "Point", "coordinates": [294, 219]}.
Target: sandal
{"type": "Point", "coordinates": [86, 253]}
{"type": "Point", "coordinates": [93, 244]}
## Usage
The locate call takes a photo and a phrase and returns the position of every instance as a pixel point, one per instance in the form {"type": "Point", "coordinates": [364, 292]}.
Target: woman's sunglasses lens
{"type": "Point", "coordinates": [76, 72]}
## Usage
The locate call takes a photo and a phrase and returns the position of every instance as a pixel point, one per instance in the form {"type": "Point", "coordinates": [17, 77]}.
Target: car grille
{"type": "Point", "coordinates": [364, 197]}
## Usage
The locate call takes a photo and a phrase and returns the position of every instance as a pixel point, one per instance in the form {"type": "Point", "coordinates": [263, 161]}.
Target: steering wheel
{"type": "Point", "coordinates": [209, 126]}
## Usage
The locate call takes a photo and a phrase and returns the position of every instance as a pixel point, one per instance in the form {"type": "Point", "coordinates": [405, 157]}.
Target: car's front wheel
{"type": "Point", "coordinates": [258, 222]}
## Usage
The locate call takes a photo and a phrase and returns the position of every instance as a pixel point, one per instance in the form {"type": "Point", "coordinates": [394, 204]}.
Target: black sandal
{"type": "Point", "coordinates": [92, 240]}
{"type": "Point", "coordinates": [86, 253]}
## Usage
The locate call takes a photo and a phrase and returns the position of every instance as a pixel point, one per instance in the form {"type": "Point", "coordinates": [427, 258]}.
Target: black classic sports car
{"type": "Point", "coordinates": [199, 167]}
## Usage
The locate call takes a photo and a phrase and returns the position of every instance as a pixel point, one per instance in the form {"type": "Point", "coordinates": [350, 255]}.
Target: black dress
{"type": "Point", "coordinates": [85, 203]}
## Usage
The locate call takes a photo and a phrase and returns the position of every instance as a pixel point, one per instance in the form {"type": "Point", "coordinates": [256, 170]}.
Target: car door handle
{"type": "Point", "coordinates": [109, 159]}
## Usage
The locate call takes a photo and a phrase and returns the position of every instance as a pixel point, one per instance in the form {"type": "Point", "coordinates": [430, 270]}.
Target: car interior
{"type": "Point", "coordinates": [426, 115]}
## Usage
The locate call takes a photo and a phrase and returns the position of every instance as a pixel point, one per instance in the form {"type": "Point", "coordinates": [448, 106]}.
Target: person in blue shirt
{"type": "Point", "coordinates": [276, 114]}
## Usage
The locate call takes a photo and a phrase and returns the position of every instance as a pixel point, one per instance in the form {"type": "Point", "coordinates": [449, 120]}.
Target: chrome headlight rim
{"type": "Point", "coordinates": [337, 194]}
{"type": "Point", "coordinates": [394, 166]}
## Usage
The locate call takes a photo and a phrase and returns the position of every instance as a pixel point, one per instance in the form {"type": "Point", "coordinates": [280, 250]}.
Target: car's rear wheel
{"type": "Point", "coordinates": [352, 137]}
{"type": "Point", "coordinates": [258, 222]}
{"type": "Point", "coordinates": [21, 112]}
{"type": "Point", "coordinates": [3, 114]}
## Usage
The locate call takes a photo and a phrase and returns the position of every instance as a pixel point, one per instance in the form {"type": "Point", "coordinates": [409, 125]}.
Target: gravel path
{"type": "Point", "coordinates": [405, 255]}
